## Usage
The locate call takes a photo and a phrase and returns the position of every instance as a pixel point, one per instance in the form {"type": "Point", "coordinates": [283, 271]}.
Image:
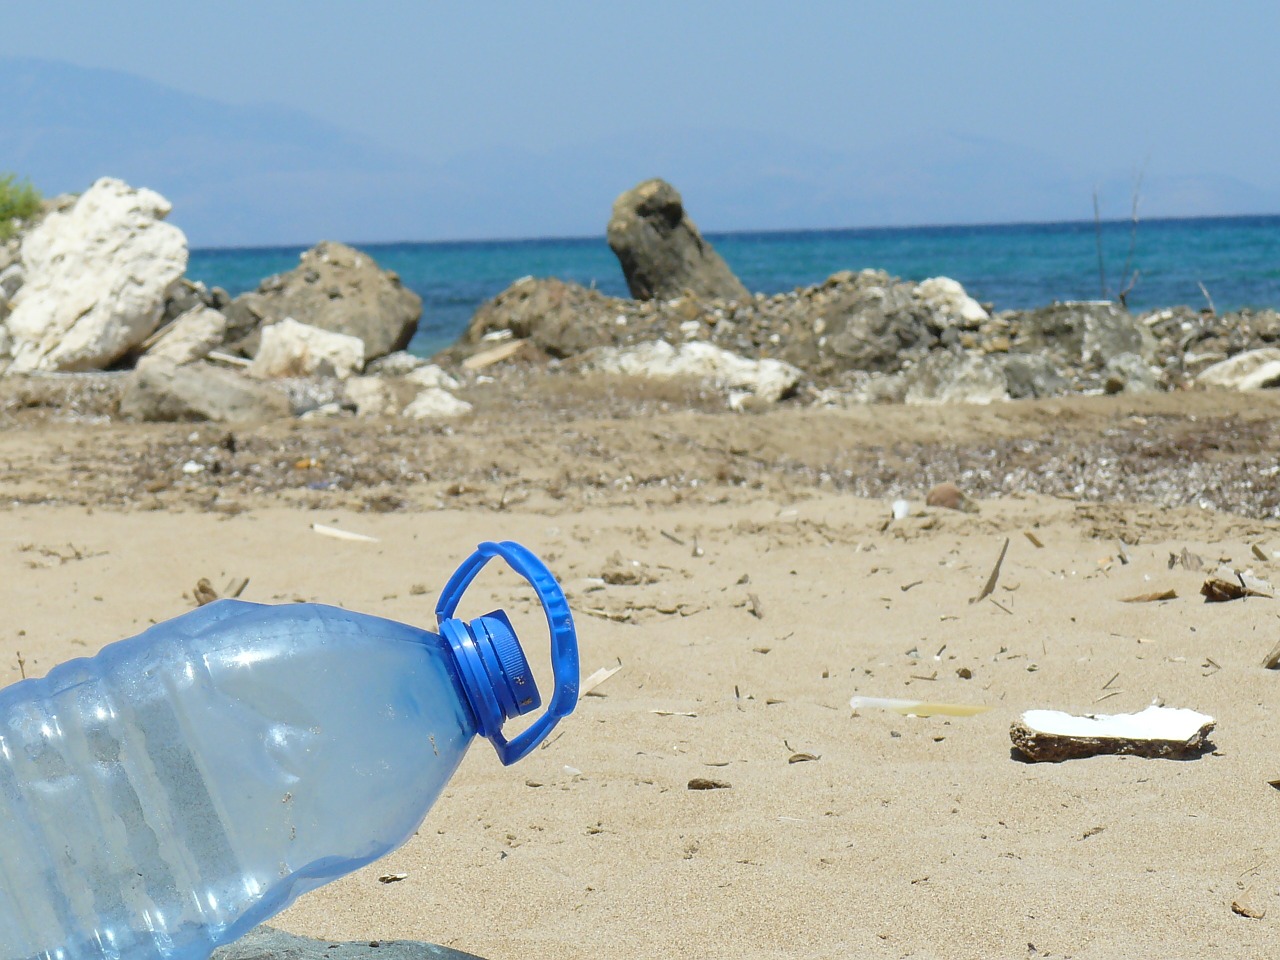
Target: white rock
{"type": "Point", "coordinates": [947, 297]}
{"type": "Point", "coordinates": [371, 396]}
{"type": "Point", "coordinates": [292, 349]}
{"type": "Point", "coordinates": [96, 278]}
{"type": "Point", "coordinates": [767, 380]}
{"type": "Point", "coordinates": [1251, 370]}
{"type": "Point", "coordinates": [434, 402]}
{"type": "Point", "coordinates": [431, 375]}
{"type": "Point", "coordinates": [395, 364]}
{"type": "Point", "coordinates": [190, 337]}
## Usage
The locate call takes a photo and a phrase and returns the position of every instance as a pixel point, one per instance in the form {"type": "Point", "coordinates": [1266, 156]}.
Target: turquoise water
{"type": "Point", "coordinates": [1011, 266]}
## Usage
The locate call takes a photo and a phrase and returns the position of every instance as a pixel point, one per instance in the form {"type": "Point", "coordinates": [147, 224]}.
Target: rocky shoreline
{"type": "Point", "coordinates": [96, 286]}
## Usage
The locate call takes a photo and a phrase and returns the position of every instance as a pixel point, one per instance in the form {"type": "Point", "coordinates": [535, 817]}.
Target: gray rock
{"type": "Point", "coordinates": [662, 254]}
{"type": "Point", "coordinates": [561, 319]}
{"type": "Point", "coordinates": [1085, 335]}
{"type": "Point", "coordinates": [265, 943]}
{"type": "Point", "coordinates": [1129, 373]}
{"type": "Point", "coordinates": [864, 321]}
{"type": "Point", "coordinates": [335, 288]}
{"type": "Point", "coordinates": [160, 391]}
{"type": "Point", "coordinates": [1029, 375]}
{"type": "Point", "coordinates": [183, 297]}
{"type": "Point", "coordinates": [944, 377]}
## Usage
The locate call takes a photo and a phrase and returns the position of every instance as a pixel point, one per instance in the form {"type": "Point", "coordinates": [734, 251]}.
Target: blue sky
{"type": "Point", "coordinates": [817, 114]}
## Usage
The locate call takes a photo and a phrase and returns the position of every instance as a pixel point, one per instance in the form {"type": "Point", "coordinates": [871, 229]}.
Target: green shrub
{"type": "Point", "coordinates": [19, 200]}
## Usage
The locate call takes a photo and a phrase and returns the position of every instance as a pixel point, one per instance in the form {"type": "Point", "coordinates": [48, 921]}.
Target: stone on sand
{"type": "Point", "coordinates": [765, 380]}
{"type": "Point", "coordinates": [1252, 370]}
{"type": "Point", "coordinates": [199, 391]}
{"type": "Point", "coordinates": [293, 349]}
{"type": "Point", "coordinates": [96, 277]}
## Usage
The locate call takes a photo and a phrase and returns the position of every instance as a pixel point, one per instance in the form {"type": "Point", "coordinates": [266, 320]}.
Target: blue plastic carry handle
{"type": "Point", "coordinates": [564, 640]}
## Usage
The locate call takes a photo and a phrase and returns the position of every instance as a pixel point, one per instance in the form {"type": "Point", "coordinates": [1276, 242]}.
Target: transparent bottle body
{"type": "Point", "coordinates": [162, 798]}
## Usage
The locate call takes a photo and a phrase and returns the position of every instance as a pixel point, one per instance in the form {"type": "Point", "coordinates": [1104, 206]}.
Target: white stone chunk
{"type": "Point", "coordinates": [1251, 370]}
{"type": "Point", "coordinates": [435, 402]}
{"type": "Point", "coordinates": [190, 337]}
{"type": "Point", "coordinates": [292, 349]}
{"type": "Point", "coordinates": [948, 298]}
{"type": "Point", "coordinates": [767, 380]}
{"type": "Point", "coordinates": [96, 278]}
{"type": "Point", "coordinates": [432, 375]}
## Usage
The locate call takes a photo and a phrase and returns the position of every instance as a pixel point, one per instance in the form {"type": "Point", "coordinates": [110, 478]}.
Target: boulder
{"type": "Point", "coordinates": [266, 943]}
{"type": "Point", "coordinates": [97, 275]}
{"type": "Point", "coordinates": [435, 402]}
{"type": "Point", "coordinates": [336, 288]}
{"type": "Point", "coordinates": [764, 380]}
{"type": "Point", "coordinates": [199, 391]}
{"type": "Point", "coordinates": [560, 319]}
{"type": "Point", "coordinates": [1082, 335]}
{"type": "Point", "coordinates": [1029, 375]}
{"type": "Point", "coordinates": [190, 337]}
{"type": "Point", "coordinates": [1252, 370]}
{"type": "Point", "coordinates": [661, 251]}
{"type": "Point", "coordinates": [865, 321]}
{"type": "Point", "coordinates": [292, 349]}
{"type": "Point", "coordinates": [944, 377]}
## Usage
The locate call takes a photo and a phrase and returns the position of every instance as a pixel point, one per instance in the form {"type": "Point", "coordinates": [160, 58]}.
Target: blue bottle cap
{"type": "Point", "coordinates": [506, 664]}
{"type": "Point", "coordinates": [491, 664]}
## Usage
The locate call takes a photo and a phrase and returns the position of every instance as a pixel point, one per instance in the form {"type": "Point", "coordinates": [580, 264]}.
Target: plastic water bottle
{"type": "Point", "coordinates": [162, 798]}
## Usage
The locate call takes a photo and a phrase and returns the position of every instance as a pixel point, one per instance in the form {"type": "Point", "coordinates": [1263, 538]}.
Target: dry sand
{"type": "Point", "coordinates": [903, 837]}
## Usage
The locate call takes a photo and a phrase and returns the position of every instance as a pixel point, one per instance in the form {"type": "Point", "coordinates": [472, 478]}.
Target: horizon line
{"type": "Point", "coordinates": [768, 231]}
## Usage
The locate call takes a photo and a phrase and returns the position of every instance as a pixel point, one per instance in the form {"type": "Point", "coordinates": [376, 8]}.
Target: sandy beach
{"type": "Point", "coordinates": [743, 573]}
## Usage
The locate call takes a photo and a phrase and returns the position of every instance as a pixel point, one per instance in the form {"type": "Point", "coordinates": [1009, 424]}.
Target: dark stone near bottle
{"type": "Point", "coordinates": [663, 255]}
{"type": "Point", "coordinates": [265, 943]}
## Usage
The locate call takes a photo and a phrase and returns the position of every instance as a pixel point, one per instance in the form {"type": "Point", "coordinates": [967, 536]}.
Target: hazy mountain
{"type": "Point", "coordinates": [244, 175]}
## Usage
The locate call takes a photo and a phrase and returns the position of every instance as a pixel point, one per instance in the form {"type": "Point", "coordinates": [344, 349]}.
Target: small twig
{"type": "Point", "coordinates": [22, 666]}
{"type": "Point", "coordinates": [1001, 605]}
{"type": "Point", "coordinates": [995, 575]}
{"type": "Point", "coordinates": [1112, 680]}
{"type": "Point", "coordinates": [1108, 696]}
{"type": "Point", "coordinates": [672, 537]}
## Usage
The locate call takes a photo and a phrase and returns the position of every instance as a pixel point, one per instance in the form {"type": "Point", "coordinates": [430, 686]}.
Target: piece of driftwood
{"type": "Point", "coordinates": [1051, 735]}
{"type": "Point", "coordinates": [1152, 597]}
{"type": "Point", "coordinates": [1227, 584]}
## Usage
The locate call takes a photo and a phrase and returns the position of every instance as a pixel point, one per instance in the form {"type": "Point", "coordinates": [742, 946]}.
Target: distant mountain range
{"type": "Point", "coordinates": [262, 175]}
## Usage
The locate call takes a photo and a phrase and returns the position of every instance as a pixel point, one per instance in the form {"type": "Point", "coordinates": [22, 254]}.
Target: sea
{"type": "Point", "coordinates": [1231, 262]}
